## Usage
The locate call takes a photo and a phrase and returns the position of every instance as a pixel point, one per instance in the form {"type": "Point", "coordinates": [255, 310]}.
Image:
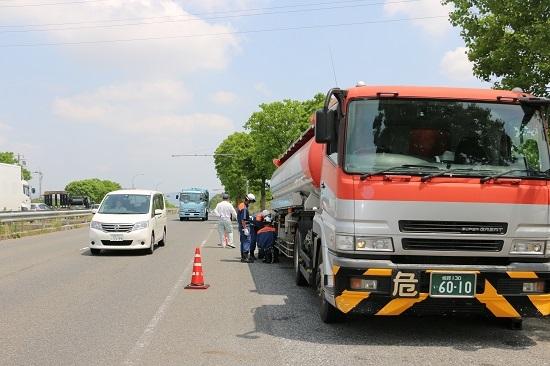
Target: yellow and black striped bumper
{"type": "Point", "coordinates": [497, 294]}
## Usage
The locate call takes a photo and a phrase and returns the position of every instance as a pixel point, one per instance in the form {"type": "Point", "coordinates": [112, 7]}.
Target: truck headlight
{"type": "Point", "coordinates": [344, 242]}
{"type": "Point", "coordinates": [374, 244]}
{"type": "Point", "coordinates": [96, 225]}
{"type": "Point", "coordinates": [533, 247]}
{"type": "Point", "coordinates": [140, 225]}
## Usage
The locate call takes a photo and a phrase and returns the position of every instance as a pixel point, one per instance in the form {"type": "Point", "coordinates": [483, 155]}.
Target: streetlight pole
{"type": "Point", "coordinates": [133, 179]}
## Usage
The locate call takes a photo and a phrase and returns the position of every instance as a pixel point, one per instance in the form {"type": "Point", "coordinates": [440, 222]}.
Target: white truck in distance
{"type": "Point", "coordinates": [14, 192]}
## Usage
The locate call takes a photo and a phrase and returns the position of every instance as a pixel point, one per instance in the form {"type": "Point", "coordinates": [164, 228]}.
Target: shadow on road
{"type": "Point", "coordinates": [294, 316]}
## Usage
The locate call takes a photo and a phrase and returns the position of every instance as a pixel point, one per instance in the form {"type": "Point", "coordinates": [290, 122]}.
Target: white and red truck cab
{"type": "Point", "coordinates": [420, 200]}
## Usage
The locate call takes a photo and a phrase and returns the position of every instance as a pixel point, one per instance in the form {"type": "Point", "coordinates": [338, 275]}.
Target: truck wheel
{"type": "Point", "coordinates": [299, 278]}
{"type": "Point", "coordinates": [329, 314]}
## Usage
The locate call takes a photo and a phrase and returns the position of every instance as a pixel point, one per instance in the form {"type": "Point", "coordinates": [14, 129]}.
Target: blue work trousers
{"type": "Point", "coordinates": [245, 242]}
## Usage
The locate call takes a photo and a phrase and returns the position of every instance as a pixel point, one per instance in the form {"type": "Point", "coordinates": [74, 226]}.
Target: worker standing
{"type": "Point", "coordinates": [243, 217]}
{"type": "Point", "coordinates": [226, 212]}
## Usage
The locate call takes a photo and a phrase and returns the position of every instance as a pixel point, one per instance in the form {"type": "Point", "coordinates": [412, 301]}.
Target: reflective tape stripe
{"type": "Point", "coordinates": [398, 306]}
{"type": "Point", "coordinates": [497, 304]}
{"type": "Point", "coordinates": [542, 303]}
{"type": "Point", "coordinates": [197, 264]}
{"type": "Point", "coordinates": [383, 272]}
{"type": "Point", "coordinates": [348, 300]}
{"type": "Point", "coordinates": [522, 275]}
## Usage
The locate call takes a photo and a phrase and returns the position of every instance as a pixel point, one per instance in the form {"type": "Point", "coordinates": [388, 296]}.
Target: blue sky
{"type": "Point", "coordinates": [115, 109]}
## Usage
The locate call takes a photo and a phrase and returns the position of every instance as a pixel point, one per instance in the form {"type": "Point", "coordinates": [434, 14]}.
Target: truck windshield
{"type": "Point", "coordinates": [481, 138]}
{"type": "Point", "coordinates": [191, 197]}
{"type": "Point", "coordinates": [125, 204]}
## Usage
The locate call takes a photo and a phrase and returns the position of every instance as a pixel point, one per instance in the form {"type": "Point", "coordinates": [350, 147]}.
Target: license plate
{"type": "Point", "coordinates": [117, 237]}
{"type": "Point", "coordinates": [452, 284]}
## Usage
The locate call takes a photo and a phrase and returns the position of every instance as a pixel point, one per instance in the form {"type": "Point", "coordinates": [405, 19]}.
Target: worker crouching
{"type": "Point", "coordinates": [266, 239]}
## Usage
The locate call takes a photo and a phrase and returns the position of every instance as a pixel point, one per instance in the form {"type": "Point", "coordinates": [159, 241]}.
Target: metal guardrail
{"type": "Point", "coordinates": [40, 215]}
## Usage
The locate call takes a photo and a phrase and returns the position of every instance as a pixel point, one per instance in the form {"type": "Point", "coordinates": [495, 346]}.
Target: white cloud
{"type": "Point", "coordinates": [261, 88]}
{"type": "Point", "coordinates": [224, 97]}
{"type": "Point", "coordinates": [221, 5]}
{"type": "Point", "coordinates": [139, 107]}
{"type": "Point", "coordinates": [422, 9]}
{"type": "Point", "coordinates": [456, 66]}
{"type": "Point", "coordinates": [166, 18]}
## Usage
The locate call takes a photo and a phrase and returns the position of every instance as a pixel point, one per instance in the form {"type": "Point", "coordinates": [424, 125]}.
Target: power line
{"type": "Point", "coordinates": [192, 15]}
{"type": "Point", "coordinates": [189, 19]}
{"type": "Point", "coordinates": [267, 30]}
{"type": "Point", "coordinates": [52, 4]}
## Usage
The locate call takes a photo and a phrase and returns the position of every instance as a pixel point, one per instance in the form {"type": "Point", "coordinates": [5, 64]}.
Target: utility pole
{"type": "Point", "coordinates": [40, 176]}
{"type": "Point", "coordinates": [134, 178]}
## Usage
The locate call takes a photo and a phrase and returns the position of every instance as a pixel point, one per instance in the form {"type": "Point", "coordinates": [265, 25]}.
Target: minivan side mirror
{"type": "Point", "coordinates": [158, 212]}
{"type": "Point", "coordinates": [33, 190]}
{"type": "Point", "coordinates": [325, 123]}
{"type": "Point", "coordinates": [177, 196]}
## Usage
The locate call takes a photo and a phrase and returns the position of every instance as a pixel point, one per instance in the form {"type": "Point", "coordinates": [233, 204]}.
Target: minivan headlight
{"type": "Point", "coordinates": [532, 247]}
{"type": "Point", "coordinates": [374, 244]}
{"type": "Point", "coordinates": [96, 225]}
{"type": "Point", "coordinates": [140, 225]}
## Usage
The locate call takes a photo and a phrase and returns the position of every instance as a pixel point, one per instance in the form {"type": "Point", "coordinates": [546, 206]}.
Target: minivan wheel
{"type": "Point", "coordinates": [95, 251]}
{"type": "Point", "coordinates": [151, 249]}
{"type": "Point", "coordinates": [163, 241]}
{"type": "Point", "coordinates": [181, 218]}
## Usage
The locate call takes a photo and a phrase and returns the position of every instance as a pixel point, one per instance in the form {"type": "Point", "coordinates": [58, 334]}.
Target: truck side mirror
{"type": "Point", "coordinates": [325, 122]}
{"type": "Point", "coordinates": [177, 196]}
{"type": "Point", "coordinates": [33, 190]}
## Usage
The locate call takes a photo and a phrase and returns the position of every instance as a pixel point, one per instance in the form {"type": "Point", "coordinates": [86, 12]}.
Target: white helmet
{"type": "Point", "coordinates": [251, 197]}
{"type": "Point", "coordinates": [265, 213]}
{"type": "Point", "coordinates": [267, 219]}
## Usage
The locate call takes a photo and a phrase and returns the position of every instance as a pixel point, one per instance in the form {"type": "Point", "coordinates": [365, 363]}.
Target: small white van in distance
{"type": "Point", "coordinates": [129, 220]}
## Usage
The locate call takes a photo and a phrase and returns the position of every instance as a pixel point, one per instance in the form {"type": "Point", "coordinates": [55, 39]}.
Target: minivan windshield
{"type": "Point", "coordinates": [125, 204]}
{"type": "Point", "coordinates": [467, 138]}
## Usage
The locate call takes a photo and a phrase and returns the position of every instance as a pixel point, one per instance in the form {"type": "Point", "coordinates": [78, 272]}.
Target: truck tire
{"type": "Point", "coordinates": [299, 278]}
{"type": "Point", "coordinates": [329, 314]}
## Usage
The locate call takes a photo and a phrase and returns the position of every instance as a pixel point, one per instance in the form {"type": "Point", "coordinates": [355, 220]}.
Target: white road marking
{"type": "Point", "coordinates": [136, 352]}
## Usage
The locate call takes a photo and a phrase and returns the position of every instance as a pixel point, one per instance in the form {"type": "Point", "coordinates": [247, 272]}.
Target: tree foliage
{"type": "Point", "coordinates": [232, 159]}
{"type": "Point", "coordinates": [8, 157]}
{"type": "Point", "coordinates": [273, 129]}
{"type": "Point", "coordinates": [94, 188]}
{"type": "Point", "coordinates": [270, 131]}
{"type": "Point", "coordinates": [507, 40]}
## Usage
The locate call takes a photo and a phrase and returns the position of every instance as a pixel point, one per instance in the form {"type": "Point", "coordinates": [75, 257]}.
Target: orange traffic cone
{"type": "Point", "coordinates": [197, 278]}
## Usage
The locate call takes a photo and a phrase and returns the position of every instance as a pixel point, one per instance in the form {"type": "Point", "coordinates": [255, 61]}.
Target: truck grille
{"type": "Point", "coordinates": [453, 227]}
{"type": "Point", "coordinates": [117, 228]}
{"type": "Point", "coordinates": [452, 245]}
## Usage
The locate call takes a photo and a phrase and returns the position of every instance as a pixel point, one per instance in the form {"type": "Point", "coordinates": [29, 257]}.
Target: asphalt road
{"type": "Point", "coordinates": [61, 306]}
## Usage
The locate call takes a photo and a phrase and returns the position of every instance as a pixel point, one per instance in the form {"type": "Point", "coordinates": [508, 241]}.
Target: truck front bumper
{"type": "Point", "coordinates": [498, 289]}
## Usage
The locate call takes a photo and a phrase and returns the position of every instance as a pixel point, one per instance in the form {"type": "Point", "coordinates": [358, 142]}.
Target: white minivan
{"type": "Point", "coordinates": [129, 220]}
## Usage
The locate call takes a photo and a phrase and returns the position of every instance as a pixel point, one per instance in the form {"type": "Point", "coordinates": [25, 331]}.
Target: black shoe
{"type": "Point", "coordinates": [252, 257]}
{"type": "Point", "coordinates": [261, 254]}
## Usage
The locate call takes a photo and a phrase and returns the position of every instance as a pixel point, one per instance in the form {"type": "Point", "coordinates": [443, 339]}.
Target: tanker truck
{"type": "Point", "coordinates": [420, 200]}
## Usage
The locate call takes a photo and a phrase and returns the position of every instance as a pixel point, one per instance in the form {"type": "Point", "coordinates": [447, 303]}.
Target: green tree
{"type": "Point", "coordinates": [507, 40]}
{"type": "Point", "coordinates": [8, 157]}
{"type": "Point", "coordinates": [273, 129]}
{"type": "Point", "coordinates": [233, 161]}
{"type": "Point", "coordinates": [94, 188]}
